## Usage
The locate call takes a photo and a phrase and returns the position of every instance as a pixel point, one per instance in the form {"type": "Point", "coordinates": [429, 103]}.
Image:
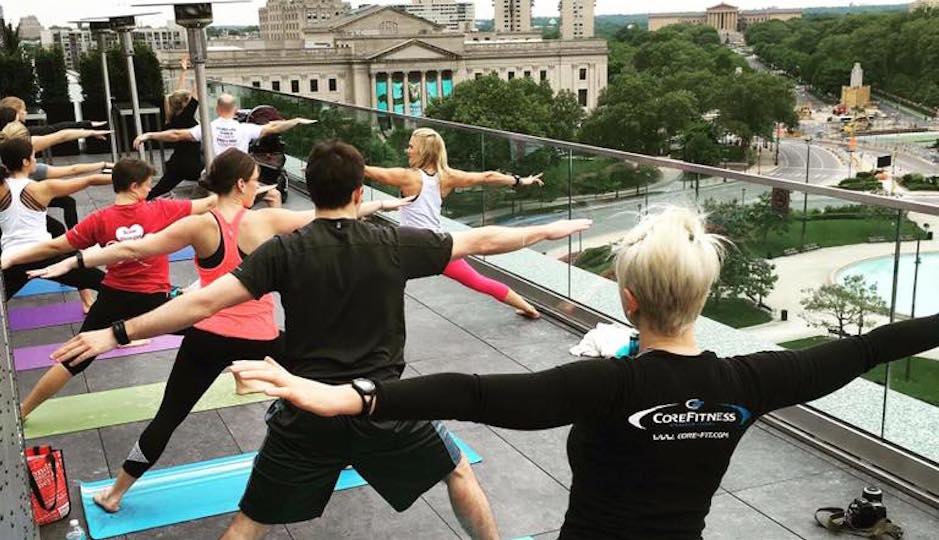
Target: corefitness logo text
{"type": "Point", "coordinates": [682, 421]}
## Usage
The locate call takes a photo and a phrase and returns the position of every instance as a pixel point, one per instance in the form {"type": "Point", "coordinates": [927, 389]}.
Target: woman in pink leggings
{"type": "Point", "coordinates": [429, 179]}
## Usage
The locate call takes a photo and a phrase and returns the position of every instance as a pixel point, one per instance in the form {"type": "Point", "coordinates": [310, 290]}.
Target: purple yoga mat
{"type": "Point", "coordinates": [38, 356]}
{"type": "Point", "coordinates": [26, 318]}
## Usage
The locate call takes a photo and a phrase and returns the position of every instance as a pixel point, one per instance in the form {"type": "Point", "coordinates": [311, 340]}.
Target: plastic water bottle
{"type": "Point", "coordinates": [75, 531]}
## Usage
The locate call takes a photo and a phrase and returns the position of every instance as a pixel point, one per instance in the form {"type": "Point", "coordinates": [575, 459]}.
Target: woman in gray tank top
{"type": "Point", "coordinates": [429, 179]}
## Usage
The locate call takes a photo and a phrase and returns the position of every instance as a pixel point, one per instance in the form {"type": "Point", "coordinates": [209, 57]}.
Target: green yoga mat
{"type": "Point", "coordinates": [112, 407]}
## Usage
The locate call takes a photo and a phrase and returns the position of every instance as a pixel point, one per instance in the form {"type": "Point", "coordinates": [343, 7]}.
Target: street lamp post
{"type": "Point", "coordinates": [916, 263]}
{"type": "Point", "coordinates": [100, 29]}
{"type": "Point", "coordinates": [805, 198]}
{"type": "Point", "coordinates": [124, 25]}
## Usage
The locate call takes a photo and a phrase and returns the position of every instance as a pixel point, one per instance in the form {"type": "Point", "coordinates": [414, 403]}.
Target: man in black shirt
{"type": "Point", "coordinates": [342, 283]}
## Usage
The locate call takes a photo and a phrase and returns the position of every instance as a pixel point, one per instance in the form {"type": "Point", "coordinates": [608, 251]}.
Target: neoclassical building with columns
{"type": "Point", "coordinates": [723, 17]}
{"type": "Point", "coordinates": [384, 58]}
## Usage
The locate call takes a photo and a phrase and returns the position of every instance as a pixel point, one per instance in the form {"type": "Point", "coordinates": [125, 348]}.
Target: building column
{"type": "Point", "coordinates": [440, 83]}
{"type": "Point", "coordinates": [404, 94]}
{"type": "Point", "coordinates": [373, 80]}
{"type": "Point", "coordinates": [423, 90]}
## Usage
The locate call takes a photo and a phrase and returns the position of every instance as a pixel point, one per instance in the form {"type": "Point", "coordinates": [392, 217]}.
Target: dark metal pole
{"type": "Point", "coordinates": [102, 48]}
{"type": "Point", "coordinates": [198, 51]}
{"type": "Point", "coordinates": [805, 196]}
{"type": "Point", "coordinates": [127, 43]}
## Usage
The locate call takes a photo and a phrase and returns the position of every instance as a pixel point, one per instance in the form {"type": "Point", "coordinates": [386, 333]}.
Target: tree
{"type": "Point", "coordinates": [851, 302]}
{"type": "Point", "coordinates": [146, 70]}
{"type": "Point", "coordinates": [16, 70]}
{"type": "Point", "coordinates": [50, 73]}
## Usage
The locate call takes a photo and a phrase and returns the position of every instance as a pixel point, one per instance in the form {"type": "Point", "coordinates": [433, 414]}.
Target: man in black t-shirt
{"type": "Point", "coordinates": [341, 282]}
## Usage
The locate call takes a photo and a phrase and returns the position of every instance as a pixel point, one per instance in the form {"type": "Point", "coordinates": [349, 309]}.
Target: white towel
{"type": "Point", "coordinates": [604, 341]}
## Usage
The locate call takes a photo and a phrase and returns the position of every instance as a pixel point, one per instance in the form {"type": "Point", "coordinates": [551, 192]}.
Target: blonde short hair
{"type": "Point", "coordinates": [176, 102]}
{"type": "Point", "coordinates": [13, 102]}
{"type": "Point", "coordinates": [669, 262]}
{"type": "Point", "coordinates": [14, 130]}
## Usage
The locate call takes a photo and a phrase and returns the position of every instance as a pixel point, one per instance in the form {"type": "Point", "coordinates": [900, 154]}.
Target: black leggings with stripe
{"type": "Point", "coordinates": [201, 358]}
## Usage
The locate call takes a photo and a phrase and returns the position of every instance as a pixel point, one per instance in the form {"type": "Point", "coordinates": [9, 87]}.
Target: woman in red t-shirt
{"type": "Point", "coordinates": [129, 288]}
{"type": "Point", "coordinates": [246, 331]}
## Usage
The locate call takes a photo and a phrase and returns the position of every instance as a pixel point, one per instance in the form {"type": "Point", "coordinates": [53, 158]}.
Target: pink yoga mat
{"type": "Point", "coordinates": [27, 318]}
{"type": "Point", "coordinates": [38, 356]}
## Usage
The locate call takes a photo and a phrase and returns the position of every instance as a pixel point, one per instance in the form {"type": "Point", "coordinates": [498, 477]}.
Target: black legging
{"type": "Point", "coordinates": [69, 209]}
{"type": "Point", "coordinates": [112, 305]}
{"type": "Point", "coordinates": [201, 358]}
{"type": "Point", "coordinates": [85, 278]}
{"type": "Point", "coordinates": [172, 176]}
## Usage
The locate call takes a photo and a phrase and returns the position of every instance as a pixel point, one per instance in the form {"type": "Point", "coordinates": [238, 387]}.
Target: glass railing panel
{"type": "Point", "coordinates": [546, 263]}
{"type": "Point", "coordinates": [911, 419]}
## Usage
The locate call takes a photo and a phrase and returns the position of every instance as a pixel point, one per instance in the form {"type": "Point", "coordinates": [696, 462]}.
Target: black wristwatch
{"type": "Point", "coordinates": [518, 180]}
{"type": "Point", "coordinates": [366, 390]}
{"type": "Point", "coordinates": [120, 333]}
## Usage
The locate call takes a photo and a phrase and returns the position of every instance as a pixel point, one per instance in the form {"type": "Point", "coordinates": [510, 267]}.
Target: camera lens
{"type": "Point", "coordinates": [873, 494]}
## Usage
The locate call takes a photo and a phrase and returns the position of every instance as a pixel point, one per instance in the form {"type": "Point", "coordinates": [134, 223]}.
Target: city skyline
{"type": "Point", "coordinates": [59, 12]}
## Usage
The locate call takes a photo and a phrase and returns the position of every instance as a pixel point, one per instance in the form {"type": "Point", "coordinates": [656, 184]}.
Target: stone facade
{"type": "Point", "coordinates": [723, 17]}
{"type": "Point", "coordinates": [576, 18]}
{"type": "Point", "coordinates": [284, 20]}
{"type": "Point", "coordinates": [383, 58]}
{"type": "Point", "coordinates": [512, 15]}
{"type": "Point", "coordinates": [452, 15]}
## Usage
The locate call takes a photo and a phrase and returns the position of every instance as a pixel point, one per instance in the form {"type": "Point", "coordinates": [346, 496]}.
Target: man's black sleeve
{"type": "Point", "coordinates": [52, 128]}
{"type": "Point", "coordinates": [265, 269]}
{"type": "Point", "coordinates": [783, 378]}
{"type": "Point", "coordinates": [422, 252]}
{"type": "Point", "coordinates": [582, 390]}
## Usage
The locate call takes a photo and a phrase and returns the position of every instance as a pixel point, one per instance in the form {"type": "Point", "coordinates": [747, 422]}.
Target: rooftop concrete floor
{"type": "Point", "coordinates": [770, 491]}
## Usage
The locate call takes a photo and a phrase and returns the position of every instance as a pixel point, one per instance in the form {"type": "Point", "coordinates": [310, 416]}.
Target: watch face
{"type": "Point", "coordinates": [365, 385]}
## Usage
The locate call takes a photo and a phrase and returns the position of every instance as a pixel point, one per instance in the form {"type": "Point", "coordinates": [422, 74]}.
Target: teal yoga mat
{"type": "Point", "coordinates": [177, 494]}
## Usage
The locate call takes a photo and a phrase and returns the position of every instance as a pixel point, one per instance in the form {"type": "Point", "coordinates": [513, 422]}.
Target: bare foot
{"type": "Point", "coordinates": [532, 314]}
{"type": "Point", "coordinates": [88, 299]}
{"type": "Point", "coordinates": [135, 343]}
{"type": "Point", "coordinates": [107, 503]}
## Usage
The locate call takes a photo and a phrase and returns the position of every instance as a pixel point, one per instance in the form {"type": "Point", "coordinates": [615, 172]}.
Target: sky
{"type": "Point", "coordinates": [60, 12]}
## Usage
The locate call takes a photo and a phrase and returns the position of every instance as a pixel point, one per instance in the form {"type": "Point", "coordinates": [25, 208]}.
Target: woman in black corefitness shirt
{"type": "Point", "coordinates": [653, 434]}
{"type": "Point", "coordinates": [186, 161]}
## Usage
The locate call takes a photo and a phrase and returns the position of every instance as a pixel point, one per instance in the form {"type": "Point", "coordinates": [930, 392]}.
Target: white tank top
{"type": "Point", "coordinates": [424, 212]}
{"type": "Point", "coordinates": [22, 227]}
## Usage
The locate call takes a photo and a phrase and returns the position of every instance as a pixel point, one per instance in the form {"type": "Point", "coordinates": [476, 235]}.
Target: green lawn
{"type": "Point", "coordinates": [833, 232]}
{"type": "Point", "coordinates": [923, 383]}
{"type": "Point", "coordinates": [735, 312]}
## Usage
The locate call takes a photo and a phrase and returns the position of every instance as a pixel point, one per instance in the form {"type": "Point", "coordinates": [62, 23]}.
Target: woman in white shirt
{"type": "Point", "coordinates": [23, 204]}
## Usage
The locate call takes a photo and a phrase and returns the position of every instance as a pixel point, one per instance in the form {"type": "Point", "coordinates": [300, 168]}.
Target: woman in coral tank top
{"type": "Point", "coordinates": [220, 239]}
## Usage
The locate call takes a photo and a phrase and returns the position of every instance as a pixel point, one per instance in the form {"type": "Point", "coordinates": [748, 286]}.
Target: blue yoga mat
{"type": "Point", "coordinates": [43, 286]}
{"type": "Point", "coordinates": [177, 494]}
{"type": "Point", "coordinates": [185, 254]}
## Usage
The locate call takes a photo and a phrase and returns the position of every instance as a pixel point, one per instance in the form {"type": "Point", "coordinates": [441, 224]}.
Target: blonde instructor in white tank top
{"type": "Point", "coordinates": [429, 179]}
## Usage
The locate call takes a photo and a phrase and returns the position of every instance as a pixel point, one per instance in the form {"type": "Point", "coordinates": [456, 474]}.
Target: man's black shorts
{"type": "Point", "coordinates": [297, 467]}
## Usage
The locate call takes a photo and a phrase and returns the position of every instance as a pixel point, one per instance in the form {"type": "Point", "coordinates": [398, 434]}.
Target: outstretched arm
{"type": "Point", "coordinates": [49, 189]}
{"type": "Point", "coordinates": [37, 252]}
{"type": "Point", "coordinates": [783, 378]}
{"type": "Point", "coordinates": [493, 240]}
{"type": "Point", "coordinates": [41, 142]}
{"type": "Point", "coordinates": [173, 238]}
{"type": "Point", "coordinates": [203, 205]}
{"type": "Point", "coordinates": [178, 313]}
{"type": "Point", "coordinates": [398, 177]}
{"type": "Point", "coordinates": [577, 391]}
{"type": "Point", "coordinates": [280, 126]}
{"type": "Point", "coordinates": [72, 170]}
{"type": "Point", "coordinates": [170, 135]}
{"type": "Point", "coordinates": [456, 178]}
{"type": "Point", "coordinates": [368, 208]}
